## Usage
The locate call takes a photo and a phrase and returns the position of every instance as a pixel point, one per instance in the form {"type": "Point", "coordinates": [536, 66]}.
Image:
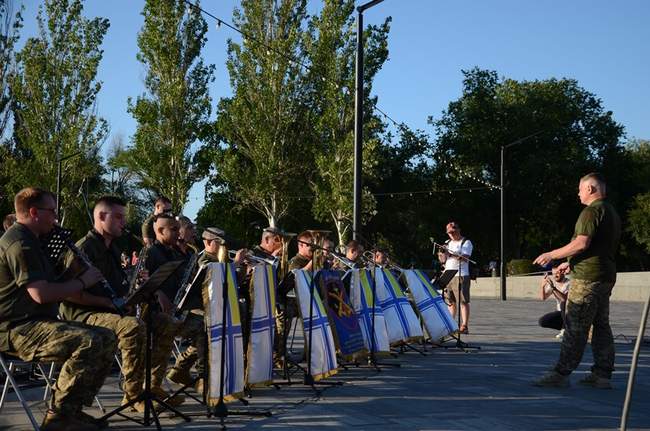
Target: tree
{"type": "Point", "coordinates": [263, 147]}
{"type": "Point", "coordinates": [638, 209]}
{"type": "Point", "coordinates": [55, 91]}
{"type": "Point", "coordinates": [577, 136]}
{"type": "Point", "coordinates": [174, 113]}
{"type": "Point", "coordinates": [331, 50]}
{"type": "Point", "coordinates": [9, 29]}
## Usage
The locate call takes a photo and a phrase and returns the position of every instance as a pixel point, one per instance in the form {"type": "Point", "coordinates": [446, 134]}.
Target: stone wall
{"type": "Point", "coordinates": [630, 286]}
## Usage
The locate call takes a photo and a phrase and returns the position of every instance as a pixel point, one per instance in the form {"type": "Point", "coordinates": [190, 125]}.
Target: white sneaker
{"type": "Point", "coordinates": [560, 335]}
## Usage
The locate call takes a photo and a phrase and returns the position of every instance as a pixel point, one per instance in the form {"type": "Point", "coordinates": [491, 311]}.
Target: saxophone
{"type": "Point", "coordinates": [185, 284]}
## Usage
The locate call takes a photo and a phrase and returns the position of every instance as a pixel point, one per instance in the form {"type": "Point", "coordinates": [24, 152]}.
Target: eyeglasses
{"type": "Point", "coordinates": [51, 210]}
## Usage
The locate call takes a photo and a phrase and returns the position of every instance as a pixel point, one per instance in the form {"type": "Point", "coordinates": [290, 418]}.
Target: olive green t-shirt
{"type": "Point", "coordinates": [107, 260]}
{"type": "Point", "coordinates": [22, 262]}
{"type": "Point", "coordinates": [600, 222]}
{"type": "Point", "coordinates": [298, 262]}
{"type": "Point", "coordinates": [147, 228]}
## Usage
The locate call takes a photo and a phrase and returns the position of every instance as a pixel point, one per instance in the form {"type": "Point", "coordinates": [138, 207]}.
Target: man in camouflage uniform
{"type": "Point", "coordinates": [162, 205]}
{"type": "Point", "coordinates": [165, 328]}
{"type": "Point", "coordinates": [95, 306]}
{"type": "Point", "coordinates": [591, 253]}
{"type": "Point", "coordinates": [29, 328]}
{"type": "Point", "coordinates": [194, 326]}
{"type": "Point", "coordinates": [287, 303]}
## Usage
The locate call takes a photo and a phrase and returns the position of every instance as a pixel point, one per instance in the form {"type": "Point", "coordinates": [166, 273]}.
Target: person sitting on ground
{"type": "Point", "coordinates": [557, 285]}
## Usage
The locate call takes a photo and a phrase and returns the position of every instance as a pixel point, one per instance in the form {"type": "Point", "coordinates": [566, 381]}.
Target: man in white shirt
{"type": "Point", "coordinates": [459, 249]}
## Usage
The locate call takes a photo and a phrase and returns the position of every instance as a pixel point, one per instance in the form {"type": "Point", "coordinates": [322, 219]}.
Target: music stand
{"type": "Point", "coordinates": [145, 293]}
{"type": "Point", "coordinates": [444, 278]}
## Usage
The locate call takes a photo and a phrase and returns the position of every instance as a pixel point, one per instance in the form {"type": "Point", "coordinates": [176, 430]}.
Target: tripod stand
{"type": "Point", "coordinates": [145, 294]}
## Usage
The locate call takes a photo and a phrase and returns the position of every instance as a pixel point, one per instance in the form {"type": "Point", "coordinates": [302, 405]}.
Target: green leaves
{"type": "Point", "coordinates": [55, 90]}
{"type": "Point", "coordinates": [175, 112]}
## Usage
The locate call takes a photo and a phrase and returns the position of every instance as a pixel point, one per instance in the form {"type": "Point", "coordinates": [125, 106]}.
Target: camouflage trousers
{"type": "Point", "coordinates": [284, 316]}
{"type": "Point", "coordinates": [85, 352]}
{"type": "Point", "coordinates": [193, 328]}
{"type": "Point", "coordinates": [165, 329]}
{"type": "Point", "coordinates": [131, 337]}
{"type": "Point", "coordinates": [587, 305]}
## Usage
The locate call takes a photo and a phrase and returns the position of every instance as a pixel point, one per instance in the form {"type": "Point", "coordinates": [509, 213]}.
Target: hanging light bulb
{"type": "Point", "coordinates": [218, 26]}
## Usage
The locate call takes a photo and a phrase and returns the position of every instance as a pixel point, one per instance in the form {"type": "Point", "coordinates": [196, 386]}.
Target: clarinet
{"type": "Point", "coordinates": [182, 291]}
{"type": "Point", "coordinates": [133, 283]}
{"type": "Point", "coordinates": [118, 302]}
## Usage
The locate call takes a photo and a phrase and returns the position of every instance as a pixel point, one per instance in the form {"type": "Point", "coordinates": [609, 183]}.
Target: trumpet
{"type": "Point", "coordinates": [250, 257]}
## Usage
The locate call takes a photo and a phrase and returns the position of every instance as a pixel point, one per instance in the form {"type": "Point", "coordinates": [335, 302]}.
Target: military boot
{"type": "Point", "coordinates": [55, 421]}
{"type": "Point", "coordinates": [595, 381]}
{"type": "Point", "coordinates": [552, 379]}
{"type": "Point", "coordinates": [180, 376]}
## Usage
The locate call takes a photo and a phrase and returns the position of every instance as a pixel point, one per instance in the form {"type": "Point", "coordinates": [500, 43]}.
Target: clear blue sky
{"type": "Point", "coordinates": [600, 43]}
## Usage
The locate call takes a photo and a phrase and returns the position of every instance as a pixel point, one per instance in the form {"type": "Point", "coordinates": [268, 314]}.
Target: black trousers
{"type": "Point", "coordinates": [552, 320]}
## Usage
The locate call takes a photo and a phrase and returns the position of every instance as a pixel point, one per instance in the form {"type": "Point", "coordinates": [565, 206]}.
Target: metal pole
{"type": "Point", "coordinates": [358, 127]}
{"type": "Point", "coordinates": [502, 255]}
{"type": "Point", "coordinates": [58, 186]}
{"type": "Point", "coordinates": [635, 359]}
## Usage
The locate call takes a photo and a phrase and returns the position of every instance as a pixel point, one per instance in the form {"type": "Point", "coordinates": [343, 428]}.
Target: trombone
{"type": "Point", "coordinates": [252, 258]}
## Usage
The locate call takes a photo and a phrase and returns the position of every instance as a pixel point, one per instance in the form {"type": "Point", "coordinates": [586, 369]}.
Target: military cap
{"type": "Point", "coordinates": [214, 233]}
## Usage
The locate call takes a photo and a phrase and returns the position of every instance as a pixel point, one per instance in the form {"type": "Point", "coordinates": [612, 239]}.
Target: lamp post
{"type": "Point", "coordinates": [358, 119]}
{"type": "Point", "coordinates": [502, 257]}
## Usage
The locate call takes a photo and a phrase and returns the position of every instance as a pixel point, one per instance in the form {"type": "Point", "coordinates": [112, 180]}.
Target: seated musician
{"type": "Point", "coordinates": [29, 328]}
{"type": "Point", "coordinates": [95, 308]}
{"type": "Point", "coordinates": [186, 236]}
{"type": "Point", "coordinates": [380, 258]}
{"type": "Point", "coordinates": [354, 253]}
{"type": "Point", "coordinates": [328, 257]}
{"type": "Point", "coordinates": [287, 308]}
{"type": "Point", "coordinates": [162, 205]}
{"type": "Point", "coordinates": [165, 328]}
{"type": "Point", "coordinates": [270, 245]}
{"type": "Point", "coordinates": [194, 327]}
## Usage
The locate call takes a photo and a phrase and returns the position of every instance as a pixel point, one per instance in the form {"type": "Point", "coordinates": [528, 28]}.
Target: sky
{"type": "Point", "coordinates": [600, 43]}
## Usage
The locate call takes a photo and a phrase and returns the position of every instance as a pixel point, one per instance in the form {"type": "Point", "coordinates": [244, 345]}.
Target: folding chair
{"type": "Point", "coordinates": [8, 370]}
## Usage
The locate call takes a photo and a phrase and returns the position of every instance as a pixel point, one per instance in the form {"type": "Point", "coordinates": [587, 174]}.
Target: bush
{"type": "Point", "coordinates": [520, 266]}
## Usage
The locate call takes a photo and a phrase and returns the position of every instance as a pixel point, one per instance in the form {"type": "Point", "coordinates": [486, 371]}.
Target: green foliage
{"type": "Point", "coordinates": [263, 147]}
{"type": "Point", "coordinates": [520, 266]}
{"type": "Point", "coordinates": [639, 218]}
{"type": "Point", "coordinates": [55, 90]}
{"type": "Point", "coordinates": [331, 47]}
{"type": "Point", "coordinates": [577, 136]}
{"type": "Point", "coordinates": [174, 114]}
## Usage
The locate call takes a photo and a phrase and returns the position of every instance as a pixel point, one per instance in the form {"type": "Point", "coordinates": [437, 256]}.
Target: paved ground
{"type": "Point", "coordinates": [448, 389]}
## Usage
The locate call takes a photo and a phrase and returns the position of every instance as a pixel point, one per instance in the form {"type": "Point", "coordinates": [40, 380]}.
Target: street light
{"type": "Point", "coordinates": [358, 119]}
{"type": "Point", "coordinates": [502, 263]}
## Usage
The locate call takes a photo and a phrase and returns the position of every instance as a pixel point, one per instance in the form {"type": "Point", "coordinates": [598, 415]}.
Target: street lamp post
{"type": "Point", "coordinates": [358, 119]}
{"type": "Point", "coordinates": [502, 257]}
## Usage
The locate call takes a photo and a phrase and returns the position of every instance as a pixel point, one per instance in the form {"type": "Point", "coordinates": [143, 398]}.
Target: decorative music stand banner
{"type": "Point", "coordinates": [436, 316]}
{"type": "Point", "coordinates": [259, 362]}
{"type": "Point", "coordinates": [321, 350]}
{"type": "Point", "coordinates": [361, 295]}
{"type": "Point", "coordinates": [218, 277]}
{"type": "Point", "coordinates": [343, 320]}
{"type": "Point", "coordinates": [402, 323]}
